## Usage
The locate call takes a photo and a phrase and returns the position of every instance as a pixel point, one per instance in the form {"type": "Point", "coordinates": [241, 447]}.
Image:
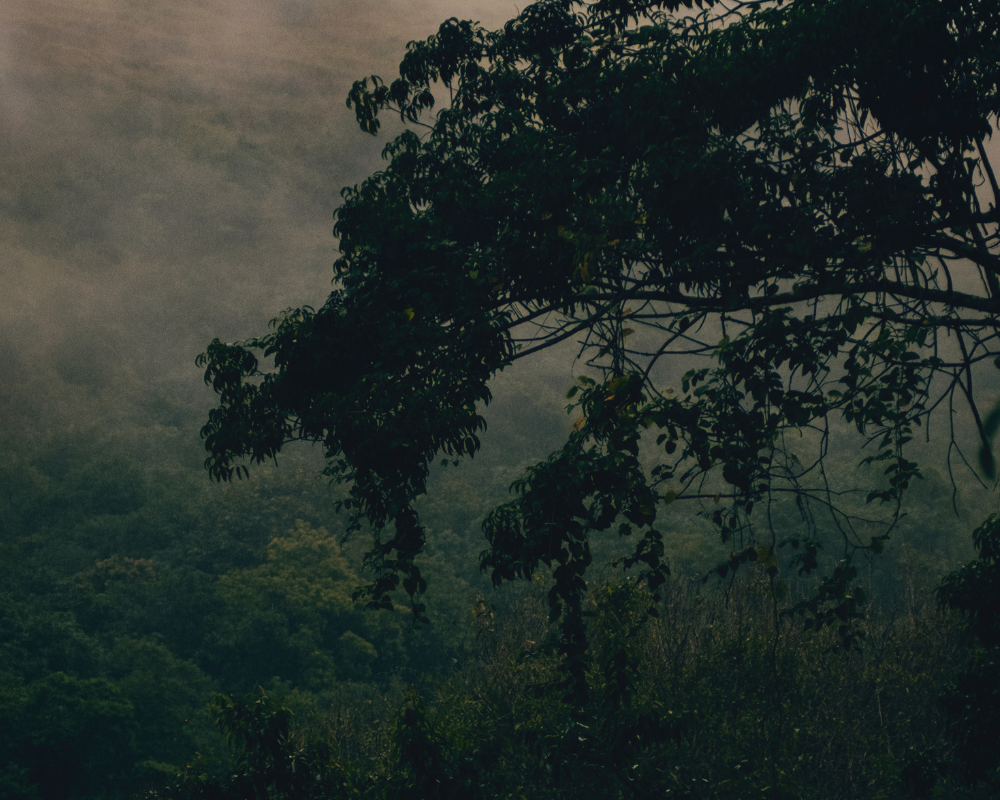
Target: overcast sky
{"type": "Point", "coordinates": [169, 174]}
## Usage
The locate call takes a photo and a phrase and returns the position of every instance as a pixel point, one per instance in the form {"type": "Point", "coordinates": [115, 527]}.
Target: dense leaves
{"type": "Point", "coordinates": [115, 630]}
{"type": "Point", "coordinates": [789, 202]}
{"type": "Point", "coordinates": [973, 702]}
{"type": "Point", "coordinates": [721, 705]}
{"type": "Point", "coordinates": [119, 621]}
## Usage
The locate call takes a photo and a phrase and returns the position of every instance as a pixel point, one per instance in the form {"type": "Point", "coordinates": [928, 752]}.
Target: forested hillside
{"type": "Point", "coordinates": [134, 594]}
{"type": "Point", "coordinates": [645, 445]}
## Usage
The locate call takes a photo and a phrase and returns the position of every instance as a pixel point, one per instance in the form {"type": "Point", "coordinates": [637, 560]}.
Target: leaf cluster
{"type": "Point", "coordinates": [792, 203]}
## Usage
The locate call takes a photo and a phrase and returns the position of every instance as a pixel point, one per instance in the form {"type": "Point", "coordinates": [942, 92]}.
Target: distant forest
{"type": "Point", "coordinates": [674, 599]}
{"type": "Point", "coordinates": [135, 593]}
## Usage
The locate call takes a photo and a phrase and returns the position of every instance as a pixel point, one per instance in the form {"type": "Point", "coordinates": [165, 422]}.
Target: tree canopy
{"type": "Point", "coordinates": [791, 203]}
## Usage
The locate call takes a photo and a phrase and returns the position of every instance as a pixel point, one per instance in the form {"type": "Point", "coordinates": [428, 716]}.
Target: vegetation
{"type": "Point", "coordinates": [799, 210]}
{"type": "Point", "coordinates": [122, 622]}
{"type": "Point", "coordinates": [765, 234]}
{"type": "Point", "coordinates": [721, 707]}
{"type": "Point", "coordinates": [123, 616]}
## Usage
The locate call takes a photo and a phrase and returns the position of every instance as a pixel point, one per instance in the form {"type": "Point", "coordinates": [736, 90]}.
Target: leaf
{"type": "Point", "coordinates": [749, 220]}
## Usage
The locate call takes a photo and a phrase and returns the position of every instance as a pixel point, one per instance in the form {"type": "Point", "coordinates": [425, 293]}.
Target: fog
{"type": "Point", "coordinates": [169, 175]}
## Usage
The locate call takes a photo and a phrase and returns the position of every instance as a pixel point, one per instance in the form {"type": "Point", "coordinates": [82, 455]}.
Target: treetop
{"type": "Point", "coordinates": [794, 197]}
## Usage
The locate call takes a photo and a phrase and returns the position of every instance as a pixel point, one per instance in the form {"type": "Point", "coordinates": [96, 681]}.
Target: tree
{"type": "Point", "coordinates": [269, 763]}
{"type": "Point", "coordinates": [972, 703]}
{"type": "Point", "coordinates": [293, 618]}
{"type": "Point", "coordinates": [792, 202]}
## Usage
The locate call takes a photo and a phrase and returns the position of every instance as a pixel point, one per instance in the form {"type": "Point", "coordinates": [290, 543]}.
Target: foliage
{"type": "Point", "coordinates": [706, 717]}
{"type": "Point", "coordinates": [973, 701]}
{"type": "Point", "coordinates": [118, 623]}
{"type": "Point", "coordinates": [690, 195]}
{"type": "Point", "coordinates": [72, 737]}
{"type": "Point", "coordinates": [267, 763]}
{"type": "Point", "coordinates": [122, 642]}
{"type": "Point", "coordinates": [288, 616]}
{"type": "Point", "coordinates": [792, 201]}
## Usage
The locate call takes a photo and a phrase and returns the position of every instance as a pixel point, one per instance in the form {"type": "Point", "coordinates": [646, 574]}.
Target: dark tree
{"type": "Point", "coordinates": [789, 202]}
{"type": "Point", "coordinates": [973, 703]}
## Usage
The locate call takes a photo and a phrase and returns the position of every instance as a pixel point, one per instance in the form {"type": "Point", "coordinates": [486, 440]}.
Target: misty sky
{"type": "Point", "coordinates": [169, 174]}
